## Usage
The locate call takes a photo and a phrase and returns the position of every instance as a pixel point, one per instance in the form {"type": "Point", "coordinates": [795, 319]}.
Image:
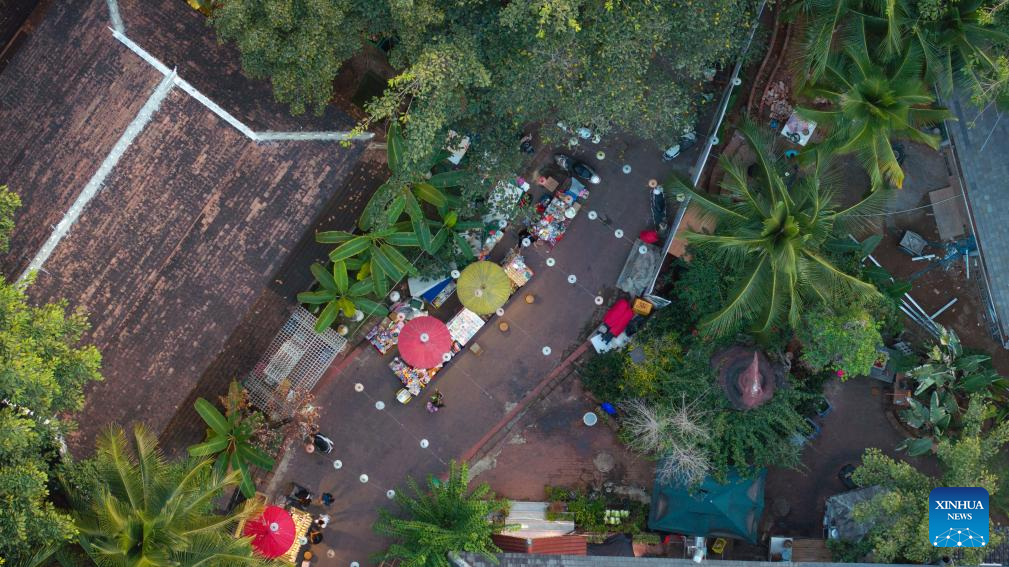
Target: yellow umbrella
{"type": "Point", "coordinates": [483, 287]}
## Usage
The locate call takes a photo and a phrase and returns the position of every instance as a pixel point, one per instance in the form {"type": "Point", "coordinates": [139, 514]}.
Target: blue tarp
{"type": "Point", "coordinates": [433, 292]}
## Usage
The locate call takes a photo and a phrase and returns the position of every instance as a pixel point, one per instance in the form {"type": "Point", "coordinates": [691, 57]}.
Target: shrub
{"type": "Point", "coordinates": [845, 341]}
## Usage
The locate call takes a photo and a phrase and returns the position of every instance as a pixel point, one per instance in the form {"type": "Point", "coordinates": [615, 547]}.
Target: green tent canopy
{"type": "Point", "coordinates": [712, 509]}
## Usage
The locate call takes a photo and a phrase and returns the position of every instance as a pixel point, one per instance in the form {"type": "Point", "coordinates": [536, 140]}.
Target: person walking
{"type": "Point", "coordinates": [322, 521]}
{"type": "Point", "coordinates": [327, 499]}
{"type": "Point", "coordinates": [436, 403]}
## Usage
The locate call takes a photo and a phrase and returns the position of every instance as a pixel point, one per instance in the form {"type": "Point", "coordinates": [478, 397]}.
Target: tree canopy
{"type": "Point", "coordinates": [900, 514]}
{"type": "Point", "coordinates": [774, 236]}
{"type": "Point", "coordinates": [144, 511]}
{"type": "Point", "coordinates": [490, 68]}
{"type": "Point", "coordinates": [443, 517]}
{"type": "Point", "coordinates": [962, 42]}
{"type": "Point", "coordinates": [42, 374]}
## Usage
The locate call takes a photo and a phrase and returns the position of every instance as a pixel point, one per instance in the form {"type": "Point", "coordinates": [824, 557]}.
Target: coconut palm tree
{"type": "Point", "coordinates": [444, 517]}
{"type": "Point", "coordinates": [824, 22]}
{"type": "Point", "coordinates": [145, 512]}
{"type": "Point", "coordinates": [956, 39]}
{"type": "Point", "coordinates": [873, 103]}
{"type": "Point", "coordinates": [774, 235]}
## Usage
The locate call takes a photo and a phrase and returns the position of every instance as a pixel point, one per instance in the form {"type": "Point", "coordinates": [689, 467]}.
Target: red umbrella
{"type": "Point", "coordinates": [424, 341]}
{"type": "Point", "coordinates": [272, 533]}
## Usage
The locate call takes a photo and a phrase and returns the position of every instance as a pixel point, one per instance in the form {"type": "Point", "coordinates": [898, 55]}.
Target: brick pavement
{"type": "Point", "coordinates": [479, 390]}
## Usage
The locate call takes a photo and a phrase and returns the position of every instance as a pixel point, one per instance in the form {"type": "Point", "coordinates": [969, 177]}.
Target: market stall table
{"type": "Point", "coordinates": [464, 326]}
{"type": "Point", "coordinates": [413, 379]}
{"type": "Point", "coordinates": [383, 336]}
{"type": "Point", "coordinates": [555, 220]}
{"type": "Point", "coordinates": [517, 270]}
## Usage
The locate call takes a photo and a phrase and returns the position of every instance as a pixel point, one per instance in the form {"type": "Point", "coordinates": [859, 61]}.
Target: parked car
{"type": "Point", "coordinates": [577, 168]}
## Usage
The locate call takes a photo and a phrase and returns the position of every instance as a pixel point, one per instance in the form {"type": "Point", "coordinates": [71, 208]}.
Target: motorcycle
{"type": "Point", "coordinates": [686, 142]}
{"type": "Point", "coordinates": [658, 207]}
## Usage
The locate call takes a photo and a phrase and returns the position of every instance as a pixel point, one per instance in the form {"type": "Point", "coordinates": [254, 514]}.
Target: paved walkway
{"type": "Point", "coordinates": [480, 390]}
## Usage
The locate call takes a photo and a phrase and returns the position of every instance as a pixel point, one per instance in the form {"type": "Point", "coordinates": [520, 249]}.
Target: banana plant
{"type": "Point", "coordinates": [934, 418]}
{"type": "Point", "coordinates": [451, 232]}
{"type": "Point", "coordinates": [948, 372]}
{"type": "Point", "coordinates": [379, 250]}
{"type": "Point", "coordinates": [230, 438]}
{"type": "Point", "coordinates": [339, 296]}
{"type": "Point", "coordinates": [407, 188]}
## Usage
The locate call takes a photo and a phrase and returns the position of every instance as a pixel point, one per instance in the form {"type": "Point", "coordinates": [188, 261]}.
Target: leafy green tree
{"type": "Point", "coordinates": [958, 41]}
{"type": "Point", "coordinates": [231, 438]}
{"type": "Point", "coordinates": [298, 44]}
{"type": "Point", "coordinates": [673, 385]}
{"type": "Point", "coordinates": [42, 375]}
{"type": "Point", "coordinates": [899, 516]}
{"type": "Point", "coordinates": [444, 517]}
{"type": "Point", "coordinates": [9, 202]}
{"type": "Point", "coordinates": [824, 21]}
{"type": "Point", "coordinates": [149, 512]}
{"type": "Point", "coordinates": [946, 375]}
{"type": "Point", "coordinates": [772, 237]}
{"type": "Point", "coordinates": [339, 295]}
{"type": "Point", "coordinates": [845, 341]}
{"type": "Point", "coordinates": [873, 103]}
{"type": "Point", "coordinates": [764, 436]}
{"type": "Point", "coordinates": [492, 68]}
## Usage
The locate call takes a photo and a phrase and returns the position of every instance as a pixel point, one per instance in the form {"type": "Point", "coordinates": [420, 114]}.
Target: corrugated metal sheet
{"type": "Point", "coordinates": [510, 543]}
{"type": "Point", "coordinates": [560, 545]}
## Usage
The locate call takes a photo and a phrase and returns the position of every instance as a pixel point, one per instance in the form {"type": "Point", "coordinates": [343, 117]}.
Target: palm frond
{"type": "Point", "coordinates": [745, 302]}
{"type": "Point", "coordinates": [863, 215]}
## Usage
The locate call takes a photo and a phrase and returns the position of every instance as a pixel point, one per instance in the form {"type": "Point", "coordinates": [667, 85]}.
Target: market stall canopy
{"type": "Point", "coordinates": [273, 532]}
{"type": "Point", "coordinates": [712, 509]}
{"type": "Point", "coordinates": [424, 341]}
{"type": "Point", "coordinates": [640, 268]}
{"type": "Point", "coordinates": [838, 514]}
{"type": "Point", "coordinates": [484, 287]}
{"type": "Point", "coordinates": [746, 375]}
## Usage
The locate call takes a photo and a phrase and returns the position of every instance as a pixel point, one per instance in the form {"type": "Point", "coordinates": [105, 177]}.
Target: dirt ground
{"type": "Point", "coordinates": [794, 499]}
{"type": "Point", "coordinates": [551, 446]}
{"type": "Point", "coordinates": [927, 170]}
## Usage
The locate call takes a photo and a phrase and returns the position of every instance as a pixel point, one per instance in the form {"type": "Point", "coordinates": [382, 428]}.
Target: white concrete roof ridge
{"type": "Point", "coordinates": [94, 184]}
{"type": "Point", "coordinates": [119, 32]}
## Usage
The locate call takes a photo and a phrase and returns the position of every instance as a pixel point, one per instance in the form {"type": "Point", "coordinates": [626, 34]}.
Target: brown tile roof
{"type": "Point", "coordinates": [65, 98]}
{"type": "Point", "coordinates": [193, 225]}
